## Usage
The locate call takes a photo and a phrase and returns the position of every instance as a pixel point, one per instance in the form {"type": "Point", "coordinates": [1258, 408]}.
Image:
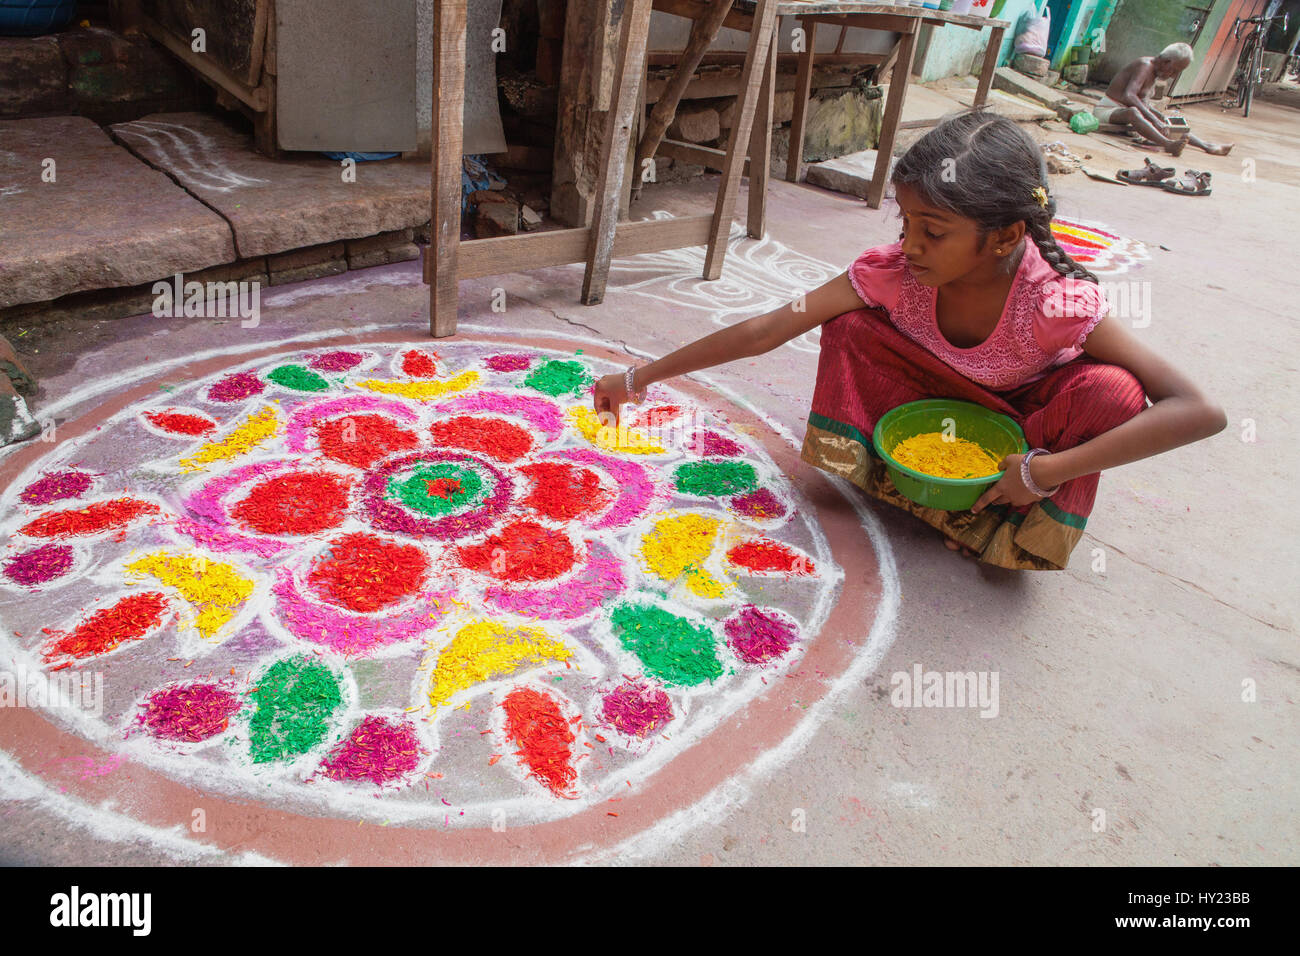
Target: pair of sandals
{"type": "Point", "coordinates": [1192, 182]}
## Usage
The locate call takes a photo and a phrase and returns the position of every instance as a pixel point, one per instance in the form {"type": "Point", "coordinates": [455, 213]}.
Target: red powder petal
{"type": "Point", "coordinates": [418, 364]}
{"type": "Point", "coordinates": [129, 619]}
{"type": "Point", "coordinates": [522, 551]}
{"type": "Point", "coordinates": [657, 417]}
{"type": "Point", "coordinates": [763, 554]}
{"type": "Point", "coordinates": [180, 423]}
{"type": "Point", "coordinates": [565, 492]}
{"type": "Point", "coordinates": [361, 440]}
{"type": "Point", "coordinates": [492, 436]}
{"type": "Point", "coordinates": [297, 503]}
{"type": "Point", "coordinates": [536, 724]}
{"type": "Point", "coordinates": [363, 572]}
{"type": "Point", "coordinates": [93, 519]}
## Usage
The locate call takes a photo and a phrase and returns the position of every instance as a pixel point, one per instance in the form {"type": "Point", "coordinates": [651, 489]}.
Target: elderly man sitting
{"type": "Point", "coordinates": [1126, 103]}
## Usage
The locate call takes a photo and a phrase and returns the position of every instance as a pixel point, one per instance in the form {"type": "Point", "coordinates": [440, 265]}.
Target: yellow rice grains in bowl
{"type": "Point", "coordinates": [933, 453]}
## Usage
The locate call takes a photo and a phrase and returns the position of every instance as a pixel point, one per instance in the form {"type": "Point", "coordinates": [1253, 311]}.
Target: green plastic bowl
{"type": "Point", "coordinates": [993, 431]}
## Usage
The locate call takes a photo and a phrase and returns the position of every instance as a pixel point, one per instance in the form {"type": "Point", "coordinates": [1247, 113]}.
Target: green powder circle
{"type": "Point", "coordinates": [670, 647]}
{"type": "Point", "coordinates": [559, 377]}
{"type": "Point", "coordinates": [715, 478]}
{"type": "Point", "coordinates": [298, 378]}
{"type": "Point", "coordinates": [294, 700]}
{"type": "Point", "coordinates": [413, 490]}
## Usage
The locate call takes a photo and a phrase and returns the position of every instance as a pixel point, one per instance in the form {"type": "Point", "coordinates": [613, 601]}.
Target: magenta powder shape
{"type": "Point", "coordinates": [336, 361]}
{"type": "Point", "coordinates": [348, 633]}
{"type": "Point", "coordinates": [758, 636]}
{"type": "Point", "coordinates": [298, 432]}
{"type": "Point", "coordinates": [509, 363]}
{"type": "Point", "coordinates": [543, 415]}
{"type": "Point", "coordinates": [39, 565]}
{"type": "Point", "coordinates": [637, 708]}
{"type": "Point", "coordinates": [599, 580]}
{"type": "Point", "coordinates": [760, 504]}
{"type": "Point", "coordinates": [388, 516]}
{"type": "Point", "coordinates": [636, 492]}
{"type": "Point", "coordinates": [236, 387]}
{"type": "Point", "coordinates": [378, 750]}
{"type": "Point", "coordinates": [225, 541]}
{"type": "Point", "coordinates": [56, 486]}
{"type": "Point", "coordinates": [188, 712]}
{"type": "Point", "coordinates": [713, 445]}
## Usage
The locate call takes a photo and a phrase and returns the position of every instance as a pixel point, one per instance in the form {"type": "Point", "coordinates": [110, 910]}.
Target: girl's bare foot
{"type": "Point", "coordinates": [1219, 149]}
{"type": "Point", "coordinates": [952, 545]}
{"type": "Point", "coordinates": [1177, 146]}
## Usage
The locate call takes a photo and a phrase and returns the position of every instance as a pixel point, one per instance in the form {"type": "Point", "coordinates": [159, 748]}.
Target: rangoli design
{"type": "Point", "coordinates": [427, 578]}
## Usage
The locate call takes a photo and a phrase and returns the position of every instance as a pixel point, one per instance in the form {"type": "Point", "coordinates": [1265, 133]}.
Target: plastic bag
{"type": "Point", "coordinates": [1033, 38]}
{"type": "Point", "coordinates": [1084, 122]}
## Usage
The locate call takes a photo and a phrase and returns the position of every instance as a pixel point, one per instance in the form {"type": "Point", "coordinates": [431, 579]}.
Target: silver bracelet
{"type": "Point", "coordinates": [636, 398]}
{"type": "Point", "coordinates": [1029, 481]}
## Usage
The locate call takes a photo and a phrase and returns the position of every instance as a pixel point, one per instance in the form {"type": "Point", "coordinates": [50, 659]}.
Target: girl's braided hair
{"type": "Point", "coordinates": [984, 167]}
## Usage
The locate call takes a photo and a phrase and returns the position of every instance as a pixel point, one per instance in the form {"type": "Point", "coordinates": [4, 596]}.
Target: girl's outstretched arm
{"type": "Point", "coordinates": [745, 339]}
{"type": "Point", "coordinates": [1179, 415]}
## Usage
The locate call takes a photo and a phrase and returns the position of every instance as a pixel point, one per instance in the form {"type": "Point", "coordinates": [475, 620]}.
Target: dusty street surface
{"type": "Point", "coordinates": [1146, 712]}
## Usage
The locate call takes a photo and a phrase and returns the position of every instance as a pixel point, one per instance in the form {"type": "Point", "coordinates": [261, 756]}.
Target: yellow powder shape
{"type": "Point", "coordinates": [424, 391]}
{"type": "Point", "coordinates": [483, 650]}
{"type": "Point", "coordinates": [679, 545]}
{"type": "Point", "coordinates": [632, 441]}
{"type": "Point", "coordinates": [932, 453]}
{"type": "Point", "coordinates": [256, 429]}
{"type": "Point", "coordinates": [216, 589]}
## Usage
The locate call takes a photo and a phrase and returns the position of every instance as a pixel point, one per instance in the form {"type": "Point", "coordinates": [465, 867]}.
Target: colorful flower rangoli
{"type": "Point", "coordinates": [432, 577]}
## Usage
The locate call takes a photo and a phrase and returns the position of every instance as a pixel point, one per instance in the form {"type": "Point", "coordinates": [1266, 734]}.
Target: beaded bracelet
{"type": "Point", "coordinates": [1028, 481]}
{"type": "Point", "coordinates": [636, 398]}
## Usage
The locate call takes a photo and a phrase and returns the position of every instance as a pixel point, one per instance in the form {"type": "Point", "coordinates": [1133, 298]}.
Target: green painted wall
{"type": "Point", "coordinates": [1144, 28]}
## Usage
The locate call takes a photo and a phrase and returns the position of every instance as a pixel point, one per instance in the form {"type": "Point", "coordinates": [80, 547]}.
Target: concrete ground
{"type": "Point", "coordinates": [1127, 691]}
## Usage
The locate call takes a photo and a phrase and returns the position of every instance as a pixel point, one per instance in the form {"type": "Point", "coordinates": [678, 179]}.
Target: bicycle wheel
{"type": "Point", "coordinates": [1246, 66]}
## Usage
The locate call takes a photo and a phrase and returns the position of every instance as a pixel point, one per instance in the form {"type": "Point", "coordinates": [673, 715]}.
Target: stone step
{"type": "Point", "coordinates": [80, 212]}
{"type": "Point", "coordinates": [275, 205]}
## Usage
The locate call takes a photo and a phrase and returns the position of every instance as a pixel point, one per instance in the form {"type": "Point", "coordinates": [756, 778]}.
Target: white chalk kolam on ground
{"type": "Point", "coordinates": [372, 582]}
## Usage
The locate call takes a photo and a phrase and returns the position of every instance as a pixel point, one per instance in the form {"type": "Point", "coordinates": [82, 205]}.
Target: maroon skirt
{"type": "Point", "coordinates": [868, 367]}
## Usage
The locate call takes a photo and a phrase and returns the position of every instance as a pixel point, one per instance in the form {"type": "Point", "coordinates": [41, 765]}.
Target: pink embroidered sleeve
{"type": "Point", "coordinates": [1069, 309]}
{"type": "Point", "coordinates": [877, 275]}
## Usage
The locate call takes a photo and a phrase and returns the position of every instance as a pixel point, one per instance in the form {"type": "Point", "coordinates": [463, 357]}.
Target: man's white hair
{"type": "Point", "coordinates": [1177, 53]}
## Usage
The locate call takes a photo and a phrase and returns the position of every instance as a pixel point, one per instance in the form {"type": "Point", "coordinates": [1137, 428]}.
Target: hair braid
{"type": "Point", "coordinates": [1039, 229]}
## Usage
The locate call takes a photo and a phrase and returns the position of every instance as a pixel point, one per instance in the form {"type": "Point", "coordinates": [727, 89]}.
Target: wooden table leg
{"type": "Point", "coordinates": [751, 78]}
{"type": "Point", "coordinates": [802, 91]}
{"type": "Point", "coordinates": [628, 77]}
{"type": "Point", "coordinates": [990, 64]}
{"type": "Point", "coordinates": [760, 149]}
{"type": "Point", "coordinates": [440, 262]}
{"type": "Point", "coordinates": [703, 32]}
{"type": "Point", "coordinates": [893, 111]}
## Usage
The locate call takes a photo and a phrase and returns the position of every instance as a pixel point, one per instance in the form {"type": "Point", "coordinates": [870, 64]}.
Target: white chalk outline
{"type": "Point", "coordinates": [717, 803]}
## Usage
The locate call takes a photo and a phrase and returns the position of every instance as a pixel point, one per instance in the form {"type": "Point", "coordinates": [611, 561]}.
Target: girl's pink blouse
{"type": "Point", "coordinates": [1043, 324]}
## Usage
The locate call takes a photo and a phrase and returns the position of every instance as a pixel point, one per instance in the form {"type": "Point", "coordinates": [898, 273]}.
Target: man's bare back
{"type": "Point", "coordinates": [1126, 103]}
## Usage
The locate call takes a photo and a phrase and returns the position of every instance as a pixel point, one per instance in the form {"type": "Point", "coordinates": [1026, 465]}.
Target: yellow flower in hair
{"type": "Point", "coordinates": [1040, 194]}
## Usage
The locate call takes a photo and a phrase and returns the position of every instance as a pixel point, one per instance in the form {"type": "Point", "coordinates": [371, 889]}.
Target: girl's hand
{"type": "Point", "coordinates": [609, 394]}
{"type": "Point", "coordinates": [1010, 490]}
